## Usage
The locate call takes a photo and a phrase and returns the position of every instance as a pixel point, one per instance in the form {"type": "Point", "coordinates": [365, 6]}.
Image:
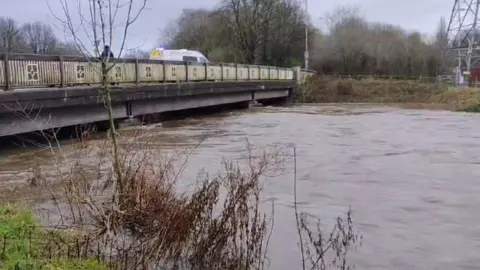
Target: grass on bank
{"type": "Point", "coordinates": [24, 244]}
{"type": "Point", "coordinates": [412, 94]}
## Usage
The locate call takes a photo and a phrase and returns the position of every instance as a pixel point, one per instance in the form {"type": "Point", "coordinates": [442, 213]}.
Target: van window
{"type": "Point", "coordinates": [190, 59]}
{"type": "Point", "coordinates": [203, 60]}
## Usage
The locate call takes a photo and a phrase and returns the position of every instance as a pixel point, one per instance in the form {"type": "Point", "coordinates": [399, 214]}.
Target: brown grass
{"type": "Point", "coordinates": [217, 225]}
{"type": "Point", "coordinates": [415, 94]}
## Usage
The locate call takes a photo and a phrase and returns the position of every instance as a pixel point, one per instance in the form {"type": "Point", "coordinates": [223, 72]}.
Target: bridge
{"type": "Point", "coordinates": [40, 92]}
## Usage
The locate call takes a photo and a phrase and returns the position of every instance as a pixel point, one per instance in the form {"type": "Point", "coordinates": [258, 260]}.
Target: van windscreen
{"type": "Point", "coordinates": [190, 59]}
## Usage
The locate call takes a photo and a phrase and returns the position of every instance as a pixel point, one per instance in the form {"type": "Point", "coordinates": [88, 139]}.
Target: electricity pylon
{"type": "Point", "coordinates": [462, 35]}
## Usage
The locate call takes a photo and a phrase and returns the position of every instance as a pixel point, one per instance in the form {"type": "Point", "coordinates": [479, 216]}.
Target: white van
{"type": "Point", "coordinates": [178, 55]}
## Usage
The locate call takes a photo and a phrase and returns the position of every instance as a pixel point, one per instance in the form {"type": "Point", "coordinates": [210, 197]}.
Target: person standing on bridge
{"type": "Point", "coordinates": [106, 54]}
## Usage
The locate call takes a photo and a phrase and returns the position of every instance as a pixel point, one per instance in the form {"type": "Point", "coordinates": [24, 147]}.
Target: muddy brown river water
{"type": "Point", "coordinates": [412, 177]}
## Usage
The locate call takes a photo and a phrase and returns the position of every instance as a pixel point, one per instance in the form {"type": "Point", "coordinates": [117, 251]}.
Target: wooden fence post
{"type": "Point", "coordinates": [7, 72]}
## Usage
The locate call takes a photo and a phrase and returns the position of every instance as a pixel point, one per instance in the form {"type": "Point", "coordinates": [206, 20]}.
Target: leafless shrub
{"type": "Point", "coordinates": [320, 250]}
{"type": "Point", "coordinates": [324, 251]}
{"type": "Point", "coordinates": [218, 224]}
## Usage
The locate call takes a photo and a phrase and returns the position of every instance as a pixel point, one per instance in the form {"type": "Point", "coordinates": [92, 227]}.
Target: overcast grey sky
{"type": "Point", "coordinates": [421, 15]}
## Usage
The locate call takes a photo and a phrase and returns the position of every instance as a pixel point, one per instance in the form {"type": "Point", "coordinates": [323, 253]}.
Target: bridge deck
{"type": "Point", "coordinates": [32, 109]}
{"type": "Point", "coordinates": [76, 95]}
{"type": "Point", "coordinates": [197, 84]}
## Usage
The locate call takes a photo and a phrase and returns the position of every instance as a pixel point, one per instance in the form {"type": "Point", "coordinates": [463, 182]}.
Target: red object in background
{"type": "Point", "coordinates": [474, 76]}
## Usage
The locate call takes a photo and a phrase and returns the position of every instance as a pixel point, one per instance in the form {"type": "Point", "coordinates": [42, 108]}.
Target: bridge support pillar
{"type": "Point", "coordinates": [131, 119]}
{"type": "Point", "coordinates": [254, 103]}
{"type": "Point", "coordinates": [128, 106]}
{"type": "Point", "coordinates": [297, 75]}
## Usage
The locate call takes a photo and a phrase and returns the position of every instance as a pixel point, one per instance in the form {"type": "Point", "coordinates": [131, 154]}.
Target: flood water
{"type": "Point", "coordinates": [412, 177]}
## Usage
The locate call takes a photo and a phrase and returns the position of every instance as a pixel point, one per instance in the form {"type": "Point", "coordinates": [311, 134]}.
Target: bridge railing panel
{"type": "Point", "coordinates": [290, 75]}
{"type": "Point", "coordinates": [123, 73]}
{"type": "Point", "coordinates": [148, 72]}
{"type": "Point", "coordinates": [196, 72]}
{"type": "Point", "coordinates": [174, 72]}
{"type": "Point", "coordinates": [229, 72]}
{"type": "Point", "coordinates": [242, 72]}
{"type": "Point", "coordinates": [2, 74]}
{"type": "Point", "coordinates": [273, 74]}
{"type": "Point", "coordinates": [281, 74]}
{"type": "Point", "coordinates": [264, 73]}
{"type": "Point", "coordinates": [33, 71]}
{"type": "Point", "coordinates": [254, 73]}
{"type": "Point", "coordinates": [79, 72]}
{"type": "Point", "coordinates": [214, 72]}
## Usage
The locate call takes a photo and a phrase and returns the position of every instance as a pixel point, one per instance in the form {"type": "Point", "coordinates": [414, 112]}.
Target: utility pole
{"type": "Point", "coordinates": [306, 55]}
{"type": "Point", "coordinates": [462, 36]}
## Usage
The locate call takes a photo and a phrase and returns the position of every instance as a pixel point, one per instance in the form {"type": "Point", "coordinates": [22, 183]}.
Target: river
{"type": "Point", "coordinates": [412, 177]}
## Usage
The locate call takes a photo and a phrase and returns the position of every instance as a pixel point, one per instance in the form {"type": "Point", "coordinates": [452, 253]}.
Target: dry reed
{"type": "Point", "coordinates": [415, 94]}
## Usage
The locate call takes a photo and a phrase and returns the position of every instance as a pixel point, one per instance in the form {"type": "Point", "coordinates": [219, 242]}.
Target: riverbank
{"type": "Point", "coordinates": [408, 93]}
{"type": "Point", "coordinates": [28, 245]}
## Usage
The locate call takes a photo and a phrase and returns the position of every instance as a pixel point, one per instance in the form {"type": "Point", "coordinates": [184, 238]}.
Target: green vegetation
{"type": "Point", "coordinates": [84, 264]}
{"type": "Point", "coordinates": [475, 108]}
{"type": "Point", "coordinates": [24, 244]}
{"type": "Point", "coordinates": [409, 93]}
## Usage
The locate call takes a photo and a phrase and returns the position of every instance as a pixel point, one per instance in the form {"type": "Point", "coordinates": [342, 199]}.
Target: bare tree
{"type": "Point", "coordinates": [10, 36]}
{"type": "Point", "coordinates": [276, 38]}
{"type": "Point", "coordinates": [340, 16]}
{"type": "Point", "coordinates": [39, 37]}
{"type": "Point", "coordinates": [197, 29]}
{"type": "Point", "coordinates": [104, 20]}
{"type": "Point", "coordinates": [67, 48]}
{"type": "Point", "coordinates": [248, 21]}
{"type": "Point", "coordinates": [284, 34]}
{"type": "Point", "coordinates": [354, 45]}
{"type": "Point", "coordinates": [34, 37]}
{"type": "Point", "coordinates": [261, 31]}
{"type": "Point", "coordinates": [138, 53]}
{"type": "Point", "coordinates": [441, 45]}
{"type": "Point", "coordinates": [272, 32]}
{"type": "Point", "coordinates": [100, 24]}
